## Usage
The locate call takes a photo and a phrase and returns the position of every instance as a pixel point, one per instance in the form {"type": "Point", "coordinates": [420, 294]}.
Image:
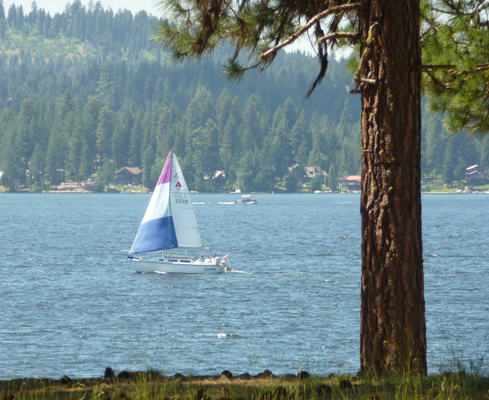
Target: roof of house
{"type": "Point", "coordinates": [311, 172]}
{"type": "Point", "coordinates": [132, 170]}
{"type": "Point", "coordinates": [352, 178]}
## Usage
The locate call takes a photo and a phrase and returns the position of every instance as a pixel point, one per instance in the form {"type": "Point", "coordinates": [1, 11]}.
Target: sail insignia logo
{"type": "Point", "coordinates": [178, 186]}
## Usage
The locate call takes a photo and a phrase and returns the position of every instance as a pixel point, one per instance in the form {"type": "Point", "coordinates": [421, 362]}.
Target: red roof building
{"type": "Point", "coordinates": [351, 182]}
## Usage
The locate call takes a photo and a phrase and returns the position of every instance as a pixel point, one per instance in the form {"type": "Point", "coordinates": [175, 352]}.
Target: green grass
{"type": "Point", "coordinates": [442, 189]}
{"type": "Point", "coordinates": [154, 386]}
{"type": "Point", "coordinates": [128, 188]}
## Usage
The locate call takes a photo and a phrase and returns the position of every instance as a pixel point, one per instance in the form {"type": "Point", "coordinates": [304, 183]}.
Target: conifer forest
{"type": "Point", "coordinates": [88, 92]}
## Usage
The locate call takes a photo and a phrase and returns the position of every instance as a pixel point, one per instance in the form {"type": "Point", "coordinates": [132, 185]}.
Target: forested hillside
{"type": "Point", "coordinates": [87, 91]}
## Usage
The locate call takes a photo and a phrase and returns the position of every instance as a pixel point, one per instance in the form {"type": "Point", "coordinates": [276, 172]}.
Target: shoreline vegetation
{"type": "Point", "coordinates": [152, 385]}
{"type": "Point", "coordinates": [73, 187]}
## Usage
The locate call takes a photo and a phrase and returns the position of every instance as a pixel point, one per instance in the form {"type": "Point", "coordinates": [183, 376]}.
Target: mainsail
{"type": "Point", "coordinates": [169, 221]}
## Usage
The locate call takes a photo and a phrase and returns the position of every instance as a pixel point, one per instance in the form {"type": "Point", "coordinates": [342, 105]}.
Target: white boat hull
{"type": "Point", "coordinates": [165, 266]}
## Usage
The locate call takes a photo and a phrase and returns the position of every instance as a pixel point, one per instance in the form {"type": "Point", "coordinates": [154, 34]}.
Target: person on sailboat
{"type": "Point", "coordinates": [208, 260]}
{"type": "Point", "coordinates": [213, 259]}
{"type": "Point", "coordinates": [201, 258]}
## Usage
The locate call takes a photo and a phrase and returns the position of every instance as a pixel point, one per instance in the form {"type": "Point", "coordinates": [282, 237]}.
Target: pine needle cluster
{"type": "Point", "coordinates": [193, 28]}
{"type": "Point", "coordinates": [456, 62]}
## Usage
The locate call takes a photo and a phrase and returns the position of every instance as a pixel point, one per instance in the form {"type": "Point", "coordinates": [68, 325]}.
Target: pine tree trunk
{"type": "Point", "coordinates": [393, 329]}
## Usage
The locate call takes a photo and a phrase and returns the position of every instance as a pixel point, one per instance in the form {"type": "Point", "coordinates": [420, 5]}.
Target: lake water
{"type": "Point", "coordinates": [70, 303]}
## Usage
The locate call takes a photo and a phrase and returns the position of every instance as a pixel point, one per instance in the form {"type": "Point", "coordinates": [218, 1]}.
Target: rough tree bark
{"type": "Point", "coordinates": [393, 330]}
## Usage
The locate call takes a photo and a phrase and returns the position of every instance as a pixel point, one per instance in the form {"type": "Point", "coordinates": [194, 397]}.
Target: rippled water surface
{"type": "Point", "coordinates": [70, 304]}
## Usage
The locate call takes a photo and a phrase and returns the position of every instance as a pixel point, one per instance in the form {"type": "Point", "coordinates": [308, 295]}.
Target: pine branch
{"type": "Point", "coordinates": [477, 127]}
{"type": "Point", "coordinates": [432, 23]}
{"type": "Point", "coordinates": [458, 12]}
{"type": "Point", "coordinates": [234, 71]}
{"type": "Point", "coordinates": [452, 71]}
{"type": "Point", "coordinates": [302, 29]}
{"type": "Point", "coordinates": [436, 81]}
{"type": "Point", "coordinates": [455, 13]}
{"type": "Point", "coordinates": [425, 68]}
{"type": "Point", "coordinates": [479, 68]}
{"type": "Point", "coordinates": [354, 37]}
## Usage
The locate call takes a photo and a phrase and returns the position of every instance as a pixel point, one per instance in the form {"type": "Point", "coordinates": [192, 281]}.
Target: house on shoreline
{"type": "Point", "coordinates": [306, 174]}
{"type": "Point", "coordinates": [129, 176]}
{"type": "Point", "coordinates": [351, 182]}
{"type": "Point", "coordinates": [476, 175]}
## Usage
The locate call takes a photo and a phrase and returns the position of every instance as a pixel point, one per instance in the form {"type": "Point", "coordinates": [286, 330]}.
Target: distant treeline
{"type": "Point", "coordinates": [87, 88]}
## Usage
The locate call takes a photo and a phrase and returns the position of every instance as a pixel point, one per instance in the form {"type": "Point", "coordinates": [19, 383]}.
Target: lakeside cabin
{"type": "Point", "coordinates": [305, 174]}
{"type": "Point", "coordinates": [476, 175]}
{"type": "Point", "coordinates": [351, 182]}
{"type": "Point", "coordinates": [129, 176]}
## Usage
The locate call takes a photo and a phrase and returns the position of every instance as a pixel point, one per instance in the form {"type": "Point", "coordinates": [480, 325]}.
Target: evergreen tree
{"type": "Point", "coordinates": [56, 156]}
{"type": "Point", "coordinates": [393, 332]}
{"type": "Point", "coordinates": [291, 181]}
{"type": "Point", "coordinates": [169, 130]}
{"type": "Point", "coordinates": [25, 141]}
{"type": "Point", "coordinates": [19, 22]}
{"type": "Point", "coordinates": [104, 133]}
{"type": "Point", "coordinates": [107, 85]}
{"type": "Point", "coordinates": [206, 157]}
{"type": "Point", "coordinates": [484, 160]}
{"type": "Point", "coordinates": [105, 176]}
{"type": "Point", "coordinates": [321, 146]}
{"type": "Point", "coordinates": [9, 160]}
{"type": "Point", "coordinates": [300, 140]}
{"type": "Point", "coordinates": [237, 111]}
{"type": "Point", "coordinates": [149, 136]}
{"type": "Point", "coordinates": [91, 113]}
{"type": "Point", "coordinates": [197, 116]}
{"type": "Point", "coordinates": [137, 135]}
{"type": "Point", "coordinates": [252, 134]}
{"type": "Point", "coordinates": [223, 110]}
{"type": "Point", "coordinates": [121, 139]}
{"type": "Point", "coordinates": [317, 182]}
{"type": "Point", "coordinates": [75, 147]}
{"type": "Point", "coordinates": [436, 143]}
{"type": "Point", "coordinates": [149, 180]}
{"type": "Point", "coordinates": [12, 15]}
{"type": "Point", "coordinates": [36, 165]}
{"type": "Point", "coordinates": [86, 161]}
{"type": "Point", "coordinates": [332, 177]}
{"type": "Point", "coordinates": [32, 17]}
{"type": "Point", "coordinates": [3, 29]}
{"type": "Point", "coordinates": [247, 169]}
{"type": "Point", "coordinates": [448, 172]}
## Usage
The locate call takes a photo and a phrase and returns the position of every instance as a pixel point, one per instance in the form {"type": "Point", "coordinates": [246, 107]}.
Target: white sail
{"type": "Point", "coordinates": [169, 221]}
{"type": "Point", "coordinates": [186, 228]}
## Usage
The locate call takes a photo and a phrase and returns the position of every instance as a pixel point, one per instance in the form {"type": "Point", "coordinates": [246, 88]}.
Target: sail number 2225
{"type": "Point", "coordinates": [181, 198]}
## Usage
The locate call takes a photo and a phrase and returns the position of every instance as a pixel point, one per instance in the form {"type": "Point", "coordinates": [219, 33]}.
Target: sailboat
{"type": "Point", "coordinates": [170, 223]}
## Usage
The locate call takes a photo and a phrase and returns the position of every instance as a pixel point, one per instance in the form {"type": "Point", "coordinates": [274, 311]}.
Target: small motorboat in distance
{"type": "Point", "coordinates": [246, 199]}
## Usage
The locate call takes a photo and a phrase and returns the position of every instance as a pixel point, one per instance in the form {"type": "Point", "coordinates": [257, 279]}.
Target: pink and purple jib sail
{"type": "Point", "coordinates": [169, 221]}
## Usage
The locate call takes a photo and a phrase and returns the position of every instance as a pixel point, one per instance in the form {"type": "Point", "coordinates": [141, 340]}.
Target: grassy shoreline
{"type": "Point", "coordinates": [264, 386]}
